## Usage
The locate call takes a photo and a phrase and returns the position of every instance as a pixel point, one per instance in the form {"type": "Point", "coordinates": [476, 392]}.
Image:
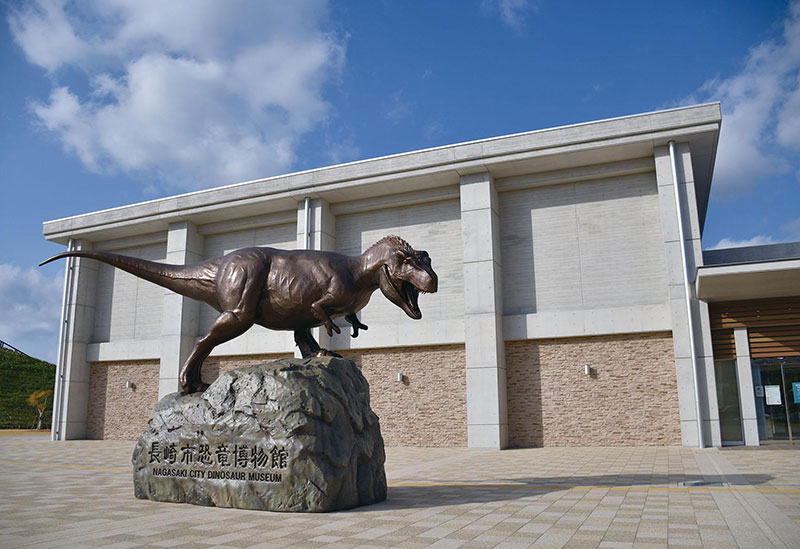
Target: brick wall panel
{"type": "Point", "coordinates": [430, 408]}
{"type": "Point", "coordinates": [116, 412]}
{"type": "Point", "coordinates": [631, 400]}
{"type": "Point", "coordinates": [215, 366]}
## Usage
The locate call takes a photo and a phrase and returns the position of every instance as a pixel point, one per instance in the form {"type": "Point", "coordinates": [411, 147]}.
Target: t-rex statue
{"type": "Point", "coordinates": [284, 290]}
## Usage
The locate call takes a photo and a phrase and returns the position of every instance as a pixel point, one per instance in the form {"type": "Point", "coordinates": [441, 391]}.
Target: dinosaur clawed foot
{"type": "Point", "coordinates": [191, 384]}
{"type": "Point", "coordinates": [330, 327]}
{"type": "Point", "coordinates": [326, 352]}
{"type": "Point", "coordinates": [357, 324]}
{"type": "Point", "coordinates": [197, 388]}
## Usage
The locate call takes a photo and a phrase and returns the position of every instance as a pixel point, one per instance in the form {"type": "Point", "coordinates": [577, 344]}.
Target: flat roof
{"type": "Point", "coordinates": [583, 144]}
{"type": "Point", "coordinates": [750, 272]}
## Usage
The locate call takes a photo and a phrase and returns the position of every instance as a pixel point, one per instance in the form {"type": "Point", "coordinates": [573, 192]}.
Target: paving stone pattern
{"type": "Point", "coordinates": [80, 493]}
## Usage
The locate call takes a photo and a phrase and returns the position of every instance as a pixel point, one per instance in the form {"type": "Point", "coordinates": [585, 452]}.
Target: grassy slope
{"type": "Point", "coordinates": [19, 377]}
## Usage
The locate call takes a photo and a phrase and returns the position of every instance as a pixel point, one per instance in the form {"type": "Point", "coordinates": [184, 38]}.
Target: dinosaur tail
{"type": "Point", "coordinates": [195, 281]}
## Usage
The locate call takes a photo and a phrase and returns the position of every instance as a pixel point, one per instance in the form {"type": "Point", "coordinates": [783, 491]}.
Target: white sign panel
{"type": "Point", "coordinates": [773, 393]}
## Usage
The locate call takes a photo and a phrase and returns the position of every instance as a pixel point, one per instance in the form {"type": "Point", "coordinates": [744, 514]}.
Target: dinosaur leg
{"type": "Point", "coordinates": [238, 296]}
{"type": "Point", "coordinates": [228, 325]}
{"type": "Point", "coordinates": [355, 323]}
{"type": "Point", "coordinates": [309, 346]}
{"type": "Point", "coordinates": [306, 343]}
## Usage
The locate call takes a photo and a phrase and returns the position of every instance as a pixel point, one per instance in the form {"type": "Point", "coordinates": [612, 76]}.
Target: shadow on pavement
{"type": "Point", "coordinates": [433, 493]}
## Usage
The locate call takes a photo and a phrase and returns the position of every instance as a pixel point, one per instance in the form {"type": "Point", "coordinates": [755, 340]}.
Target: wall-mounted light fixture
{"type": "Point", "coordinates": [130, 385]}
{"type": "Point", "coordinates": [400, 377]}
{"type": "Point", "coordinates": [587, 370]}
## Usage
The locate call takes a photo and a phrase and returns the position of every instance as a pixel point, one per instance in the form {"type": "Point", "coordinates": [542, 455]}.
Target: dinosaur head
{"type": "Point", "coordinates": [405, 273]}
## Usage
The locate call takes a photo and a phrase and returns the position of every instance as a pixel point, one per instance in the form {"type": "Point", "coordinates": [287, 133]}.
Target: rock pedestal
{"type": "Point", "coordinates": [290, 435]}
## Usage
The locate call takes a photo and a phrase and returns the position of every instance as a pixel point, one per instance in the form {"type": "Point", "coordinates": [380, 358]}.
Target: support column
{"type": "Point", "coordinates": [487, 419]}
{"type": "Point", "coordinates": [72, 389]}
{"type": "Point", "coordinates": [747, 397]}
{"type": "Point", "coordinates": [321, 237]}
{"type": "Point", "coordinates": [677, 301]}
{"type": "Point", "coordinates": [179, 321]}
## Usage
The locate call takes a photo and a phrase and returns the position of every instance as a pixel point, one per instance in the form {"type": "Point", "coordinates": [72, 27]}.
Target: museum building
{"type": "Point", "coordinates": [575, 305]}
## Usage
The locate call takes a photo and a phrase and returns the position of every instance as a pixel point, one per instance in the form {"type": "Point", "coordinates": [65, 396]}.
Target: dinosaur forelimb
{"type": "Point", "coordinates": [357, 325]}
{"type": "Point", "coordinates": [320, 314]}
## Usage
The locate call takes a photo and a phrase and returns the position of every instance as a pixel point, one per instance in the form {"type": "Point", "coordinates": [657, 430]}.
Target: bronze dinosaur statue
{"type": "Point", "coordinates": [285, 290]}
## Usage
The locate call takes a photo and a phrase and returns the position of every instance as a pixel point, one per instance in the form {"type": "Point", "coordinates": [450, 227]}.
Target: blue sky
{"type": "Point", "coordinates": [108, 103]}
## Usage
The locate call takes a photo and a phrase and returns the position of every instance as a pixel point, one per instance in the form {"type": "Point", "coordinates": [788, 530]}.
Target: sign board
{"type": "Point", "coordinates": [760, 391]}
{"type": "Point", "coordinates": [796, 391]}
{"type": "Point", "coordinates": [773, 393]}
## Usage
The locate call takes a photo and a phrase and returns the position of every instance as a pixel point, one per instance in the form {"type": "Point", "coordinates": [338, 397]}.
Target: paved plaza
{"type": "Point", "coordinates": [80, 493]}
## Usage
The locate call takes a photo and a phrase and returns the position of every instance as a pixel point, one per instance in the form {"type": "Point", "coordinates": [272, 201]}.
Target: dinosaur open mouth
{"type": "Point", "coordinates": [406, 295]}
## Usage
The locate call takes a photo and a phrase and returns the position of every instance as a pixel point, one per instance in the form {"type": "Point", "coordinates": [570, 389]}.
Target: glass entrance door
{"type": "Point", "coordinates": [777, 385]}
{"type": "Point", "coordinates": [791, 386]}
{"type": "Point", "coordinates": [730, 416]}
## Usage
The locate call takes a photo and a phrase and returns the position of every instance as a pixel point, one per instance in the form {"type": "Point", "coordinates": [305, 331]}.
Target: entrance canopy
{"type": "Point", "coordinates": [754, 272]}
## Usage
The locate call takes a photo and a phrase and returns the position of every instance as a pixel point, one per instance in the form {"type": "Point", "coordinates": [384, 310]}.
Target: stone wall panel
{"type": "Point", "coordinates": [631, 398]}
{"type": "Point", "coordinates": [214, 366]}
{"type": "Point", "coordinates": [115, 411]}
{"type": "Point", "coordinates": [428, 408]}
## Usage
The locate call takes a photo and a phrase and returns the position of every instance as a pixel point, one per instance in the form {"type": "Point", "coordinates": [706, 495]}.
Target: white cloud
{"type": "Point", "coordinates": [433, 130]}
{"type": "Point", "coordinates": [342, 151]}
{"type": "Point", "coordinates": [760, 133]}
{"type": "Point", "coordinates": [792, 229]}
{"type": "Point", "coordinates": [790, 232]}
{"type": "Point", "coordinates": [31, 306]}
{"type": "Point", "coordinates": [397, 109]}
{"type": "Point", "coordinates": [512, 12]}
{"type": "Point", "coordinates": [758, 240]}
{"type": "Point", "coordinates": [197, 94]}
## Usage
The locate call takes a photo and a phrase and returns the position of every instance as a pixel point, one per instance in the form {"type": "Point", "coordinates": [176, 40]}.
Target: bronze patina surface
{"type": "Point", "coordinates": [285, 290]}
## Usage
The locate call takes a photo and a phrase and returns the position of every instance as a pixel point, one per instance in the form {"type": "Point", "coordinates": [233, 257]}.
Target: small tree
{"type": "Point", "coordinates": [38, 399]}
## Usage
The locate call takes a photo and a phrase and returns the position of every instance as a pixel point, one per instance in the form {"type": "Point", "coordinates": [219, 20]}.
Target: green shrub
{"type": "Point", "coordinates": [21, 376]}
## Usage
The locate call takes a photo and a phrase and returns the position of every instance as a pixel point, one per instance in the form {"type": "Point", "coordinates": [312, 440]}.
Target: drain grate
{"type": "Point", "coordinates": [702, 484]}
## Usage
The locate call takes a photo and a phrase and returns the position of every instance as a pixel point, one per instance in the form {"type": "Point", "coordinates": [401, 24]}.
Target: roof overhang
{"type": "Point", "coordinates": [613, 140]}
{"type": "Point", "coordinates": [780, 278]}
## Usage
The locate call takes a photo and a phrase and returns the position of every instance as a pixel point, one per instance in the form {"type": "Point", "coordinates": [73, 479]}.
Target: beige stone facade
{"type": "Point", "coordinates": [630, 399]}
{"type": "Point", "coordinates": [428, 408]}
{"type": "Point", "coordinates": [214, 366]}
{"type": "Point", "coordinates": [115, 411]}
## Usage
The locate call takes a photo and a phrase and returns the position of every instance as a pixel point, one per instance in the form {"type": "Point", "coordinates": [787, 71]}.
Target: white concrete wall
{"type": "Point", "coordinates": [587, 251]}
{"type": "Point", "coordinates": [679, 313]}
{"type": "Point", "coordinates": [744, 377]}
{"type": "Point", "coordinates": [71, 403]}
{"type": "Point", "coordinates": [434, 227]}
{"type": "Point", "coordinates": [179, 314]}
{"type": "Point", "coordinates": [487, 412]}
{"type": "Point", "coordinates": [128, 308]}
